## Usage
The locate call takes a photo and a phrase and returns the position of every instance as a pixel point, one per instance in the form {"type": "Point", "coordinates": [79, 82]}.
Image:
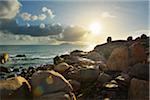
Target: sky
{"type": "Point", "coordinates": [71, 21]}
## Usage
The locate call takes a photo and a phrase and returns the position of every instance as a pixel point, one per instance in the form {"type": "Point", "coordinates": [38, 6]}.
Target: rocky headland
{"type": "Point", "coordinates": [116, 70]}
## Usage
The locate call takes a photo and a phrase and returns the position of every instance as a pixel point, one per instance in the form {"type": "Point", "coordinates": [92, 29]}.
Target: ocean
{"type": "Point", "coordinates": [36, 55]}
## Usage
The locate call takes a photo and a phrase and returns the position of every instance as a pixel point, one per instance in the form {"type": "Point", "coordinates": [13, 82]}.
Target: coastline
{"type": "Point", "coordinates": [98, 74]}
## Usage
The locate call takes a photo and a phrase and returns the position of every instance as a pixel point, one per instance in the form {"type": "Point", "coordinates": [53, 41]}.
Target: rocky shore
{"type": "Point", "coordinates": [116, 70]}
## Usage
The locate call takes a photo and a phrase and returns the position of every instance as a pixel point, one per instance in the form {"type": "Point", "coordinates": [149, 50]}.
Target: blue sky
{"type": "Point", "coordinates": [118, 19]}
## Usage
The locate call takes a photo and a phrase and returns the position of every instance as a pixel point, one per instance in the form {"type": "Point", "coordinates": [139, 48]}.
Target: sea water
{"type": "Point", "coordinates": [35, 55]}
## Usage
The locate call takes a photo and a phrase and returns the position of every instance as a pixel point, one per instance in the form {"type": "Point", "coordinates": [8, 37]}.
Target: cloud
{"type": "Point", "coordinates": [73, 33]}
{"type": "Point", "coordinates": [9, 39]}
{"type": "Point", "coordinates": [29, 17]}
{"type": "Point", "coordinates": [42, 25]}
{"type": "Point", "coordinates": [47, 11]}
{"type": "Point", "coordinates": [9, 8]}
{"type": "Point", "coordinates": [107, 15]}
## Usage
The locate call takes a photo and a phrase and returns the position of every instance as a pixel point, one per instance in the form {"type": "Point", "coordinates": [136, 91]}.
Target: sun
{"type": "Point", "coordinates": [95, 28]}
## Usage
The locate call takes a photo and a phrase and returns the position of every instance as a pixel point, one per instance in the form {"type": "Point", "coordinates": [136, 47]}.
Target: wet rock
{"type": "Point", "coordinates": [103, 78]}
{"type": "Point", "coordinates": [62, 67]}
{"type": "Point", "coordinates": [21, 55]}
{"type": "Point", "coordinates": [118, 60]}
{"type": "Point", "coordinates": [139, 90]}
{"type": "Point", "coordinates": [4, 69]}
{"type": "Point", "coordinates": [4, 58]}
{"type": "Point", "coordinates": [46, 84]}
{"type": "Point", "coordinates": [16, 70]}
{"type": "Point", "coordinates": [95, 56]}
{"type": "Point", "coordinates": [140, 71]}
{"type": "Point", "coordinates": [15, 88]}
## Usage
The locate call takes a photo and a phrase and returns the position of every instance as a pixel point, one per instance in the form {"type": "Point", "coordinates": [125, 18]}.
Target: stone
{"type": "Point", "coordinates": [118, 60]}
{"type": "Point", "coordinates": [78, 53]}
{"type": "Point", "coordinates": [15, 88]}
{"type": "Point", "coordinates": [58, 60]}
{"type": "Point", "coordinates": [62, 67]}
{"type": "Point", "coordinates": [103, 78]}
{"type": "Point", "coordinates": [4, 69]}
{"type": "Point", "coordinates": [4, 58]}
{"type": "Point", "coordinates": [137, 54]}
{"type": "Point", "coordinates": [21, 55]}
{"type": "Point", "coordinates": [95, 56]}
{"type": "Point", "coordinates": [48, 82]}
{"type": "Point", "coordinates": [139, 90]}
{"type": "Point", "coordinates": [140, 71]}
{"type": "Point", "coordinates": [75, 84]}
{"type": "Point", "coordinates": [84, 75]}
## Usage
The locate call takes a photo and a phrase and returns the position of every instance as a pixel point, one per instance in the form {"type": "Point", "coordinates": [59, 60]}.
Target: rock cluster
{"type": "Point", "coordinates": [115, 70]}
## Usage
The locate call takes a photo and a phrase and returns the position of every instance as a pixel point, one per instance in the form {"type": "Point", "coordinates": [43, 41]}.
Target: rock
{"type": "Point", "coordinates": [62, 67]}
{"type": "Point", "coordinates": [140, 71]}
{"type": "Point", "coordinates": [118, 60]}
{"type": "Point", "coordinates": [4, 69]}
{"type": "Point", "coordinates": [84, 75]}
{"type": "Point", "coordinates": [75, 84]}
{"type": "Point", "coordinates": [136, 54]}
{"type": "Point", "coordinates": [4, 58]}
{"type": "Point", "coordinates": [15, 88]}
{"type": "Point", "coordinates": [21, 55]}
{"type": "Point", "coordinates": [139, 90]}
{"type": "Point", "coordinates": [95, 56]}
{"type": "Point", "coordinates": [78, 53]}
{"type": "Point", "coordinates": [16, 70]}
{"type": "Point", "coordinates": [58, 60]}
{"type": "Point", "coordinates": [103, 78]}
{"type": "Point", "coordinates": [46, 83]}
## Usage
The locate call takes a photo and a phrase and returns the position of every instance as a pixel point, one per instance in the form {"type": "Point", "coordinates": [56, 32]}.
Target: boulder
{"type": "Point", "coordinates": [136, 54]}
{"type": "Point", "coordinates": [58, 60]}
{"type": "Point", "coordinates": [78, 53]}
{"type": "Point", "coordinates": [4, 58]}
{"type": "Point", "coordinates": [103, 78]}
{"type": "Point", "coordinates": [140, 71]}
{"type": "Point", "coordinates": [118, 60]}
{"type": "Point", "coordinates": [15, 88]}
{"type": "Point", "coordinates": [75, 84]}
{"type": "Point", "coordinates": [139, 90]}
{"type": "Point", "coordinates": [62, 67]}
{"type": "Point", "coordinates": [4, 69]}
{"type": "Point", "coordinates": [47, 83]}
{"type": "Point", "coordinates": [95, 56]}
{"type": "Point", "coordinates": [84, 75]}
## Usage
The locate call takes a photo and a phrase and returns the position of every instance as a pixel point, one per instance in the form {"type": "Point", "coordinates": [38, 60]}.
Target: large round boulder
{"type": "Point", "coordinates": [95, 56]}
{"type": "Point", "coordinates": [137, 54]}
{"type": "Point", "coordinates": [118, 60]}
{"type": "Point", "coordinates": [47, 84]}
{"type": "Point", "coordinates": [139, 90]}
{"type": "Point", "coordinates": [62, 67]}
{"type": "Point", "coordinates": [140, 71]}
{"type": "Point", "coordinates": [15, 88]}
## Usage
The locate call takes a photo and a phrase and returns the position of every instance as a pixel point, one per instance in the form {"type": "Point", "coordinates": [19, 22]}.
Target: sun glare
{"type": "Point", "coordinates": [95, 28]}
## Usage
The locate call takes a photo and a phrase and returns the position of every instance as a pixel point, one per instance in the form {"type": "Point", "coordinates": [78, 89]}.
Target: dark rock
{"type": "Point", "coordinates": [15, 88]}
{"type": "Point", "coordinates": [130, 38]}
{"type": "Point", "coordinates": [16, 70]}
{"type": "Point", "coordinates": [139, 90]}
{"type": "Point", "coordinates": [109, 39]}
{"type": "Point", "coordinates": [144, 36]}
{"type": "Point", "coordinates": [21, 55]}
{"type": "Point", "coordinates": [103, 78]}
{"type": "Point", "coordinates": [4, 69]}
{"type": "Point", "coordinates": [75, 84]}
{"type": "Point", "coordinates": [78, 53]}
{"type": "Point", "coordinates": [140, 71]}
{"type": "Point", "coordinates": [57, 60]}
{"type": "Point", "coordinates": [62, 67]}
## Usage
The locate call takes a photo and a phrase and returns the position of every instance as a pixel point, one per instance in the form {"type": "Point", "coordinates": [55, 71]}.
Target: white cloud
{"type": "Point", "coordinates": [9, 8]}
{"type": "Point", "coordinates": [47, 11]}
{"type": "Point", "coordinates": [26, 16]}
{"type": "Point", "coordinates": [107, 15]}
{"type": "Point", "coordinates": [42, 17]}
{"type": "Point", "coordinates": [42, 25]}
